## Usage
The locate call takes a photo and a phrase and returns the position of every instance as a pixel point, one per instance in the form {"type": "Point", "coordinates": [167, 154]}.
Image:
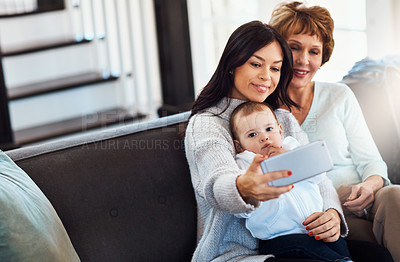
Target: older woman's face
{"type": "Point", "coordinates": [307, 57]}
{"type": "Point", "coordinates": [259, 76]}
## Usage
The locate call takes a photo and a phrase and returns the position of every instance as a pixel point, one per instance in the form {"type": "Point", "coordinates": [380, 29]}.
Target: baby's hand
{"type": "Point", "coordinates": [273, 151]}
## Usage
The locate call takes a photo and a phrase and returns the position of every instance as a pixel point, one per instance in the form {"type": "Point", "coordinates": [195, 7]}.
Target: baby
{"type": "Point", "coordinates": [278, 223]}
{"type": "Point", "coordinates": [256, 130]}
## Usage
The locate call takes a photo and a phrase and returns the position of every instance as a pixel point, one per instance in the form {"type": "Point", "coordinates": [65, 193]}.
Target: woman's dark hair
{"type": "Point", "coordinates": [241, 45]}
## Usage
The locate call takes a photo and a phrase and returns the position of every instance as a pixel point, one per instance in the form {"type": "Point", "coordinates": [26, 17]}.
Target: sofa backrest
{"type": "Point", "coordinates": [376, 86]}
{"type": "Point", "coordinates": [123, 194]}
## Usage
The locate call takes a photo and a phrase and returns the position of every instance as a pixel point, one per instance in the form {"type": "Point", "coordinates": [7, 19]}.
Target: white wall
{"type": "Point", "coordinates": [383, 28]}
{"type": "Point", "coordinates": [362, 28]}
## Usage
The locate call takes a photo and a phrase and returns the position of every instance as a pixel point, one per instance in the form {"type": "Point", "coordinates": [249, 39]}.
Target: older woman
{"type": "Point", "coordinates": [256, 65]}
{"type": "Point", "coordinates": [330, 111]}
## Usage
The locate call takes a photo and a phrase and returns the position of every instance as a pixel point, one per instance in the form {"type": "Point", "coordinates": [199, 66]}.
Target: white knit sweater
{"type": "Point", "coordinates": [336, 117]}
{"type": "Point", "coordinates": [210, 153]}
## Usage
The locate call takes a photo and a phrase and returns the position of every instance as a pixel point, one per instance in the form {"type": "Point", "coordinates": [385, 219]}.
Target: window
{"type": "Point", "coordinates": [212, 22]}
{"type": "Point", "coordinates": [350, 37]}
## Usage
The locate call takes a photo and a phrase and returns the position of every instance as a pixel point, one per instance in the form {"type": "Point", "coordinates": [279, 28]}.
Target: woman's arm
{"type": "Point", "coordinates": [215, 174]}
{"type": "Point", "coordinates": [362, 195]}
{"type": "Point", "coordinates": [362, 147]}
{"type": "Point", "coordinates": [210, 155]}
{"type": "Point", "coordinates": [366, 157]}
{"type": "Point", "coordinates": [331, 224]}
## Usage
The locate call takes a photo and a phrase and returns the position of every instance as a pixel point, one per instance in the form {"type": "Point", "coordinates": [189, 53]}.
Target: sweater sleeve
{"type": "Point", "coordinates": [210, 154]}
{"type": "Point", "coordinates": [362, 147]}
{"type": "Point", "coordinates": [290, 126]}
{"type": "Point", "coordinates": [331, 200]}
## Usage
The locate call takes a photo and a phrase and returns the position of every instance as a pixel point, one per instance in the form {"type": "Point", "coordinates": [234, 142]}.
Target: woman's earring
{"type": "Point", "coordinates": [231, 72]}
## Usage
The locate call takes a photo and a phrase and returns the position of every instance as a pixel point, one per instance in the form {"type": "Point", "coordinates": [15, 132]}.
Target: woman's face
{"type": "Point", "coordinates": [307, 58]}
{"type": "Point", "coordinates": [259, 76]}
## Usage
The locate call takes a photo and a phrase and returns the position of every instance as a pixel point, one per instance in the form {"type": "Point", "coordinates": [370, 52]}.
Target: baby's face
{"type": "Point", "coordinates": [258, 131]}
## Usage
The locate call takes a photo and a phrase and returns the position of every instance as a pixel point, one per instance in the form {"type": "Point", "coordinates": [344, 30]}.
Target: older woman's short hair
{"type": "Point", "coordinates": [297, 18]}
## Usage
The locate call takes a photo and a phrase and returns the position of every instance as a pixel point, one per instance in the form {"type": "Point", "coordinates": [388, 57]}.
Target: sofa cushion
{"type": "Point", "coordinates": [30, 229]}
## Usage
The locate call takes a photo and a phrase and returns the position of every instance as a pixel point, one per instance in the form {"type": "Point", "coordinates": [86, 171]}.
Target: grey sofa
{"type": "Point", "coordinates": [124, 193]}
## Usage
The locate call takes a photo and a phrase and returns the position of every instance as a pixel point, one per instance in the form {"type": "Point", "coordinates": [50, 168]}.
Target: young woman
{"type": "Point", "coordinates": [256, 65]}
{"type": "Point", "coordinates": [330, 111]}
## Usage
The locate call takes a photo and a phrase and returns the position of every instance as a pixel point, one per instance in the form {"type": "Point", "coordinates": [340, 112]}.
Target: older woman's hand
{"type": "Point", "coordinates": [362, 195]}
{"type": "Point", "coordinates": [324, 225]}
{"type": "Point", "coordinates": [254, 184]}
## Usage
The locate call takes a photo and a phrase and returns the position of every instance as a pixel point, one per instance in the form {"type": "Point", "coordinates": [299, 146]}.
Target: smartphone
{"type": "Point", "coordinates": [304, 162]}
